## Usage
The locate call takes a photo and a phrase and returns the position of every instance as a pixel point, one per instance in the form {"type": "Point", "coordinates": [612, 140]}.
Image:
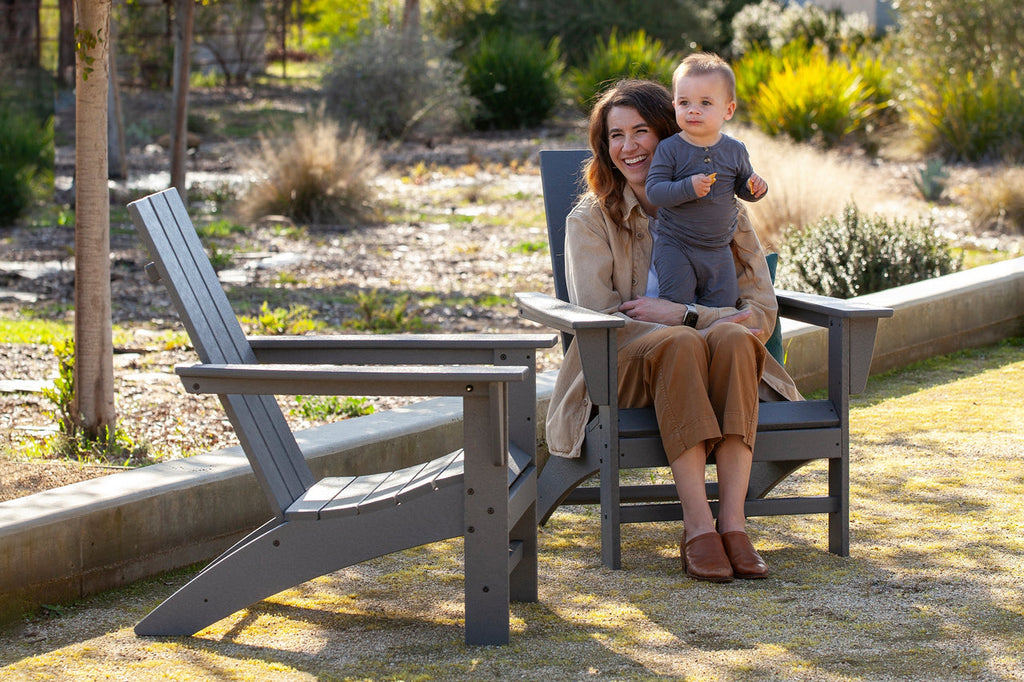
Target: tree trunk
{"type": "Point", "coordinates": [66, 44]}
{"type": "Point", "coordinates": [411, 18]}
{"type": "Point", "coordinates": [94, 355]}
{"type": "Point", "coordinates": [184, 14]}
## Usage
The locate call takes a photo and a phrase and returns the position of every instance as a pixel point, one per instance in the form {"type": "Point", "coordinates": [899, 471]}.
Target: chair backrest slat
{"type": "Point", "coordinates": [167, 231]}
{"type": "Point", "coordinates": [561, 176]}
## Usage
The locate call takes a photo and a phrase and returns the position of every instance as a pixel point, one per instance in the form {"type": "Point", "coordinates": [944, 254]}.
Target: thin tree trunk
{"type": "Point", "coordinates": [183, 20]}
{"type": "Point", "coordinates": [66, 44]}
{"type": "Point", "coordinates": [94, 372]}
{"type": "Point", "coordinates": [117, 161]}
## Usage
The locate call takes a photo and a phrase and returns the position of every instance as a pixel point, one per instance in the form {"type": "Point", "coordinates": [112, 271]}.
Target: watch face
{"type": "Point", "coordinates": [690, 318]}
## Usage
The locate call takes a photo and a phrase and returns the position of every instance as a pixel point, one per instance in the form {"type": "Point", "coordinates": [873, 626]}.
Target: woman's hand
{"type": "Point", "coordinates": [737, 318]}
{"type": "Point", "coordinates": [647, 309]}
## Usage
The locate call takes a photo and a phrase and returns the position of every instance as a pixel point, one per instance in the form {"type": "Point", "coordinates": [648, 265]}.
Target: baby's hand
{"type": "Point", "coordinates": [757, 185]}
{"type": "Point", "coordinates": [702, 183]}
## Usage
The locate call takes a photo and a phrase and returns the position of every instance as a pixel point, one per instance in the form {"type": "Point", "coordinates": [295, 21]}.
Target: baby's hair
{"type": "Point", "coordinates": [705, 64]}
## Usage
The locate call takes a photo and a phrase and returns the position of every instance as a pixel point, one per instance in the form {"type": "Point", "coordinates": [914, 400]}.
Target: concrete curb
{"type": "Point", "coordinates": [63, 544]}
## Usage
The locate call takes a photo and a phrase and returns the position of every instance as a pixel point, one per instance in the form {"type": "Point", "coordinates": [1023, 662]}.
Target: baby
{"type": "Point", "coordinates": [694, 179]}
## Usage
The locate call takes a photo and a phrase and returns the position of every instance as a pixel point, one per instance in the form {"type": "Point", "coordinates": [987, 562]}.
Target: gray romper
{"type": "Point", "coordinates": [693, 259]}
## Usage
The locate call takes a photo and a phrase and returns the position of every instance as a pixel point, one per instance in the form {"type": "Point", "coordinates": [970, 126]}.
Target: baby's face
{"type": "Point", "coordinates": [703, 104]}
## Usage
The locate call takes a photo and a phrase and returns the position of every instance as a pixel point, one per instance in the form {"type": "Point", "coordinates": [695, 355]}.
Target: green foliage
{"type": "Point", "coordinates": [857, 254]}
{"type": "Point", "coordinates": [961, 63]}
{"type": "Point", "coordinates": [971, 117]}
{"type": "Point", "coordinates": [530, 246]}
{"type": "Point", "coordinates": [322, 408]}
{"type": "Point", "coordinates": [294, 320]}
{"type": "Point", "coordinates": [944, 37]}
{"type": "Point", "coordinates": [771, 25]}
{"type": "Point", "coordinates": [220, 260]}
{"type": "Point", "coordinates": [145, 51]}
{"type": "Point", "coordinates": [326, 23]}
{"type": "Point", "coordinates": [931, 180]}
{"type": "Point", "coordinates": [316, 174]}
{"type": "Point", "coordinates": [26, 158]}
{"type": "Point", "coordinates": [577, 23]}
{"type": "Point", "coordinates": [395, 86]}
{"type": "Point", "coordinates": [635, 56]}
{"type": "Point", "coordinates": [515, 78]}
{"type": "Point", "coordinates": [219, 229]}
{"type": "Point", "coordinates": [376, 314]}
{"type": "Point", "coordinates": [810, 97]}
{"type": "Point", "coordinates": [71, 441]}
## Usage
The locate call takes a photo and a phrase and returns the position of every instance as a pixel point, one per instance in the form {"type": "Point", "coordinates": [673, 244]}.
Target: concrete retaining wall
{"type": "Point", "coordinates": [62, 544]}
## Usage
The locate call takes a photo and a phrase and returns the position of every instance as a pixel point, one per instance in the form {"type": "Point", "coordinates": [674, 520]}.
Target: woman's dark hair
{"type": "Point", "coordinates": [654, 104]}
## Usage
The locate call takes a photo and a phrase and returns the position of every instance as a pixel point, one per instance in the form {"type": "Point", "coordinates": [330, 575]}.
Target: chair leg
{"type": "Point", "coordinates": [839, 521]}
{"type": "Point", "coordinates": [283, 554]}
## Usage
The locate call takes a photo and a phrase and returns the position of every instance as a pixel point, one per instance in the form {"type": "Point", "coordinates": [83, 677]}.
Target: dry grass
{"type": "Point", "coordinates": [316, 174]}
{"type": "Point", "coordinates": [931, 590]}
{"type": "Point", "coordinates": [996, 200]}
{"type": "Point", "coordinates": [805, 183]}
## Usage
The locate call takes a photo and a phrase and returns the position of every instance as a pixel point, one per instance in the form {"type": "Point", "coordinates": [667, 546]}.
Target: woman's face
{"type": "Point", "coordinates": [631, 144]}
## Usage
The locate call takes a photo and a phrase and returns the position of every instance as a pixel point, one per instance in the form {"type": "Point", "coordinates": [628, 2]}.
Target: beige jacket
{"type": "Point", "coordinates": [606, 266]}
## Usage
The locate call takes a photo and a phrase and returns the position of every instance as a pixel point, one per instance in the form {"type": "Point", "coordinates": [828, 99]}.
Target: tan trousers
{"type": "Point", "coordinates": [702, 388]}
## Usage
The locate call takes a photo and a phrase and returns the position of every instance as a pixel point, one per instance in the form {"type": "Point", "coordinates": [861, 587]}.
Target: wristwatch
{"type": "Point", "coordinates": [690, 317]}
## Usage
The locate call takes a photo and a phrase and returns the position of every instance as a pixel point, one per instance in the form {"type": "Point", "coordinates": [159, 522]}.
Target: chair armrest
{"type": "Point", "coordinates": [565, 317]}
{"type": "Point", "coordinates": [393, 348]}
{"type": "Point", "coordinates": [404, 380]}
{"type": "Point", "coordinates": [818, 310]}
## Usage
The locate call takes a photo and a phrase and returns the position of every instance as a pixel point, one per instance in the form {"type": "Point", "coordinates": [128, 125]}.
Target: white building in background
{"type": "Point", "coordinates": [879, 12]}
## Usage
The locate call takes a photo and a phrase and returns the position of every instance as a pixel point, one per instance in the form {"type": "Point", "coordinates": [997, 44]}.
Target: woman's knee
{"type": "Point", "coordinates": [731, 337]}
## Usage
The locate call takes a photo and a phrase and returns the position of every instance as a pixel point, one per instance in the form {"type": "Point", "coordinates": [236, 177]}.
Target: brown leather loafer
{"type": "Point", "coordinates": [704, 558]}
{"type": "Point", "coordinates": [746, 562]}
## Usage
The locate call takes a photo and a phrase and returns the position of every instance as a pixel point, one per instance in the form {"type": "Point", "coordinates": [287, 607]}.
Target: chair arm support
{"type": "Point", "coordinates": [860, 322]}
{"type": "Point", "coordinates": [405, 380]}
{"type": "Point", "coordinates": [393, 349]}
{"type": "Point", "coordinates": [565, 317]}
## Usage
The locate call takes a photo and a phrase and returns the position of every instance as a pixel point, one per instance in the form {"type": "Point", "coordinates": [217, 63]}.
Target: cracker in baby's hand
{"type": "Point", "coordinates": [712, 177]}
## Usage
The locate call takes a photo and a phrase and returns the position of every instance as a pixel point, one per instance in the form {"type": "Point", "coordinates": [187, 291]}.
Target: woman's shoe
{"type": "Point", "coordinates": [746, 563]}
{"type": "Point", "coordinates": [704, 558]}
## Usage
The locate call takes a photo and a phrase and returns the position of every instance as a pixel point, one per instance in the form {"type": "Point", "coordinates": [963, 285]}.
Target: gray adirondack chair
{"type": "Point", "coordinates": [485, 492]}
{"type": "Point", "coordinates": [790, 434]}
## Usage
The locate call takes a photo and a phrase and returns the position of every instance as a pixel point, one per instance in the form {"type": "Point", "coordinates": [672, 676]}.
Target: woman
{"type": "Point", "coordinates": [701, 368]}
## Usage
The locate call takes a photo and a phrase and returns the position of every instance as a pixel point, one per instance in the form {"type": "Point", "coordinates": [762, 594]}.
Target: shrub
{"type": "Point", "coordinates": [815, 99]}
{"type": "Point", "coordinates": [856, 254]}
{"type": "Point", "coordinates": [576, 23]}
{"type": "Point", "coordinates": [395, 87]}
{"type": "Point", "coordinates": [26, 158]}
{"type": "Point", "coordinates": [315, 175]}
{"type": "Point", "coordinates": [635, 56]}
{"type": "Point", "coordinates": [944, 37]}
{"type": "Point", "coordinates": [971, 117]}
{"type": "Point", "coordinates": [772, 25]}
{"type": "Point", "coordinates": [963, 55]}
{"type": "Point", "coordinates": [514, 78]}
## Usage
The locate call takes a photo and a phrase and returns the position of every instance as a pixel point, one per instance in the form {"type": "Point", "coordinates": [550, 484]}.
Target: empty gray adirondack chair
{"type": "Point", "coordinates": [484, 493]}
{"type": "Point", "coordinates": [790, 434]}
